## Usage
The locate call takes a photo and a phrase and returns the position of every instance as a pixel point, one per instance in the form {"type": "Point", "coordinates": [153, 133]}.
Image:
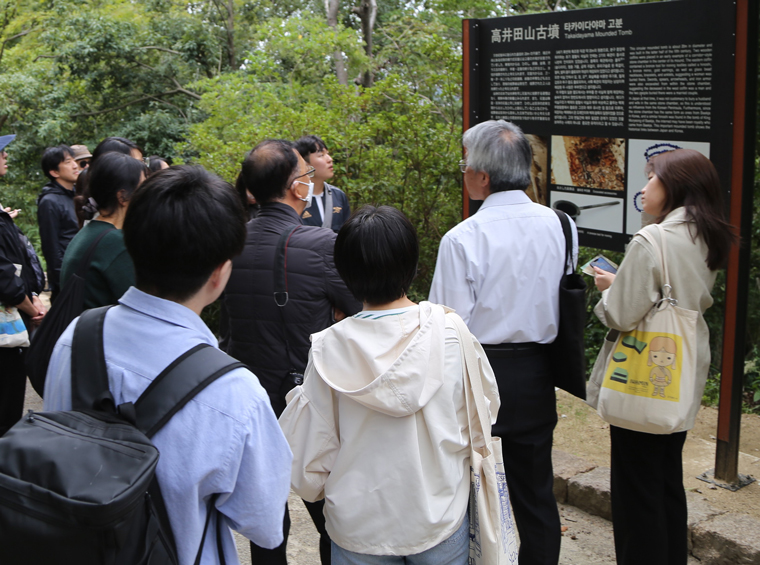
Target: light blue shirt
{"type": "Point", "coordinates": [500, 270]}
{"type": "Point", "coordinates": [226, 440]}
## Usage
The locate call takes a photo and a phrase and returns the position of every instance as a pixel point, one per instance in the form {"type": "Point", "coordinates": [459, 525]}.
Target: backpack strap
{"type": "Point", "coordinates": [89, 376]}
{"type": "Point", "coordinates": [185, 377]}
{"type": "Point", "coordinates": [84, 264]}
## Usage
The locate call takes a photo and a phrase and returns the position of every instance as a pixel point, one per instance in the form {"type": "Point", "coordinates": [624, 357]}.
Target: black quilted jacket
{"type": "Point", "coordinates": [256, 332]}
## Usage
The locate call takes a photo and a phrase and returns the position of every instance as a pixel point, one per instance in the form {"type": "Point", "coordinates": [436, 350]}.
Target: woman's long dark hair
{"type": "Point", "coordinates": [109, 175]}
{"type": "Point", "coordinates": [691, 181]}
{"type": "Point", "coordinates": [111, 144]}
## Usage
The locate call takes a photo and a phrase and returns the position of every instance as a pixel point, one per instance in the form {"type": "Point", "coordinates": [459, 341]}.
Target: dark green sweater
{"type": "Point", "coordinates": [111, 271]}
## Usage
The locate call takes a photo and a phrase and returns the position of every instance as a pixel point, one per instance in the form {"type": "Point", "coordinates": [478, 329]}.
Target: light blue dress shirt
{"type": "Point", "coordinates": [500, 270]}
{"type": "Point", "coordinates": [226, 440]}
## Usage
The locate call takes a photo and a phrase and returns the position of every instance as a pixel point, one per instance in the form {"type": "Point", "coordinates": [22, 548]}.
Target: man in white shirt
{"type": "Point", "coordinates": [500, 270]}
{"type": "Point", "coordinates": [226, 441]}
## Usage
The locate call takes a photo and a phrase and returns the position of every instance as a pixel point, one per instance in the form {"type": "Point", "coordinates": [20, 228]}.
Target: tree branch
{"type": "Point", "coordinates": [164, 49]}
{"type": "Point", "coordinates": [20, 34]}
{"type": "Point", "coordinates": [133, 102]}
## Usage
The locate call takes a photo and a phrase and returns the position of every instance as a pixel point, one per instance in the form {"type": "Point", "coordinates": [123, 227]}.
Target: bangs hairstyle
{"type": "Point", "coordinates": [499, 149]}
{"type": "Point", "coordinates": [691, 181]}
{"type": "Point", "coordinates": [376, 254]}
{"type": "Point", "coordinates": [181, 225]}
{"type": "Point", "coordinates": [54, 156]}
{"type": "Point", "coordinates": [309, 144]}
{"type": "Point", "coordinates": [267, 170]}
{"type": "Point", "coordinates": [110, 174]}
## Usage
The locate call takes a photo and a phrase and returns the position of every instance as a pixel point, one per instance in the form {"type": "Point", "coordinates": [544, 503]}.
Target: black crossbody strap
{"type": "Point", "coordinates": [89, 376]}
{"type": "Point", "coordinates": [568, 238]}
{"type": "Point", "coordinates": [280, 273]}
{"type": "Point", "coordinates": [84, 264]}
{"type": "Point", "coordinates": [185, 377]}
{"type": "Point", "coordinates": [280, 267]}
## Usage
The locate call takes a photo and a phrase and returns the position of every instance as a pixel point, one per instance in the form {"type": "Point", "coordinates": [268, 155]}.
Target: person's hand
{"type": "Point", "coordinates": [603, 279]}
{"type": "Point", "coordinates": [12, 213]}
{"type": "Point", "coordinates": [338, 314]}
{"type": "Point", "coordinates": [41, 311]}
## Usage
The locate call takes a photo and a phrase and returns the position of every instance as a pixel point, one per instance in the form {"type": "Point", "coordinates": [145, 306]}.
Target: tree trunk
{"type": "Point", "coordinates": [231, 34]}
{"type": "Point", "coordinates": [367, 12]}
{"type": "Point", "coordinates": [331, 7]}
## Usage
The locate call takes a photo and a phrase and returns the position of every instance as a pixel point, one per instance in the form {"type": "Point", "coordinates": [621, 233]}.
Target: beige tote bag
{"type": "Point", "coordinates": [493, 540]}
{"type": "Point", "coordinates": [649, 378]}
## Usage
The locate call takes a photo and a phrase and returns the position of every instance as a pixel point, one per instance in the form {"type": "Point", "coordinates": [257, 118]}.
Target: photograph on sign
{"type": "Point", "coordinates": [640, 151]}
{"type": "Point", "coordinates": [539, 168]}
{"type": "Point", "coordinates": [589, 211]}
{"type": "Point", "coordinates": [589, 162]}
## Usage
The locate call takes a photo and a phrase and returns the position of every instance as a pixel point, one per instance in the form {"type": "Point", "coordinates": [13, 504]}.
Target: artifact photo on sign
{"type": "Point", "coordinates": [539, 169]}
{"type": "Point", "coordinates": [589, 162]}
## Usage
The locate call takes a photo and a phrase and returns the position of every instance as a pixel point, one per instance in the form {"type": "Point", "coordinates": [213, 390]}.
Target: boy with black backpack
{"type": "Point", "coordinates": [225, 446]}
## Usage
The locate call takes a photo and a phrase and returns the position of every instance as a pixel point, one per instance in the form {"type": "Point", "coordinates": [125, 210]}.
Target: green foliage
{"type": "Point", "coordinates": [396, 143]}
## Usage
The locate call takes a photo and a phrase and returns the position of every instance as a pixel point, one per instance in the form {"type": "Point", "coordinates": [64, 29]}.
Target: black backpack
{"type": "Point", "coordinates": [68, 305]}
{"type": "Point", "coordinates": [79, 486]}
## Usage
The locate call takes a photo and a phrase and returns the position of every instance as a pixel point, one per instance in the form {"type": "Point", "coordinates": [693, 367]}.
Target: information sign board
{"type": "Point", "coordinates": [600, 91]}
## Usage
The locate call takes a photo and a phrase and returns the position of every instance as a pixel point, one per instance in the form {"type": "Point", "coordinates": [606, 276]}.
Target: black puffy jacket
{"type": "Point", "coordinates": [58, 222]}
{"type": "Point", "coordinates": [14, 288]}
{"type": "Point", "coordinates": [257, 335]}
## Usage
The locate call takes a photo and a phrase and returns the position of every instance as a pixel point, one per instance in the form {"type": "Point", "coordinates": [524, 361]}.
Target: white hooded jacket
{"type": "Point", "coordinates": [379, 429]}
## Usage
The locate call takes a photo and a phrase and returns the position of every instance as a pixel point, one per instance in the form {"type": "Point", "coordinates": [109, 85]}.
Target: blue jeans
{"type": "Point", "coordinates": [452, 551]}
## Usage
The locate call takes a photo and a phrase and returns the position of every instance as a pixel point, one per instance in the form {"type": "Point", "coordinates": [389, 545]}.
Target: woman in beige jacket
{"type": "Point", "coordinates": [648, 498]}
{"type": "Point", "coordinates": [379, 428]}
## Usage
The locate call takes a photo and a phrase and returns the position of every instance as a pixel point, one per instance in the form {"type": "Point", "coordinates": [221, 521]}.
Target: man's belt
{"type": "Point", "coordinates": [512, 350]}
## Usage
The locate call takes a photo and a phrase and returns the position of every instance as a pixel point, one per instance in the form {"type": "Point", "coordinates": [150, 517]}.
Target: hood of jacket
{"type": "Point", "coordinates": [393, 365]}
{"type": "Point", "coordinates": [54, 188]}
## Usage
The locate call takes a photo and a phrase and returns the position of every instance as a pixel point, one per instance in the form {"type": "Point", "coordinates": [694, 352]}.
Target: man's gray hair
{"type": "Point", "coordinates": [501, 150]}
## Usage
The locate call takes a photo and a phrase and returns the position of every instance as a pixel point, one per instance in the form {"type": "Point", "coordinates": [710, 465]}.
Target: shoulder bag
{"type": "Point", "coordinates": [493, 540]}
{"type": "Point", "coordinates": [567, 352]}
{"type": "Point", "coordinates": [648, 382]}
{"type": "Point", "coordinates": [68, 306]}
{"type": "Point", "coordinates": [13, 332]}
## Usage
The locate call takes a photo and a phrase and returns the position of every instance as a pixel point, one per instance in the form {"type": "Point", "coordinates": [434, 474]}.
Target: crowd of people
{"type": "Point", "coordinates": [352, 395]}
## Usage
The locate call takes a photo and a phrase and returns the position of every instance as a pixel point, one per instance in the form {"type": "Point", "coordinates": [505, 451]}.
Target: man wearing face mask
{"type": "Point", "coordinates": [272, 339]}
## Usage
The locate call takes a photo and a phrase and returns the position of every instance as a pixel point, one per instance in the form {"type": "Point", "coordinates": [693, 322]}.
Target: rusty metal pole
{"type": "Point", "coordinates": [737, 276]}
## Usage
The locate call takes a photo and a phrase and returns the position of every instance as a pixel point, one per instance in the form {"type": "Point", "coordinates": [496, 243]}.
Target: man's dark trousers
{"type": "Point", "coordinates": [525, 424]}
{"type": "Point", "coordinates": [278, 555]}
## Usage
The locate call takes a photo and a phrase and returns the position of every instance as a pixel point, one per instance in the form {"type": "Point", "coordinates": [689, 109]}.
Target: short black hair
{"type": "Point", "coordinates": [116, 145]}
{"type": "Point", "coordinates": [309, 144]}
{"type": "Point", "coordinates": [54, 156]}
{"type": "Point", "coordinates": [376, 254]}
{"type": "Point", "coordinates": [154, 163]}
{"type": "Point", "coordinates": [110, 174]}
{"type": "Point", "coordinates": [181, 224]}
{"type": "Point", "coordinates": [267, 170]}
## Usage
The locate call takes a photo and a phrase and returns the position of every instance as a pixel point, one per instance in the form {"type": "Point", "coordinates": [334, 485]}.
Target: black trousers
{"type": "Point", "coordinates": [278, 555]}
{"type": "Point", "coordinates": [525, 424]}
{"type": "Point", "coordinates": [648, 498]}
{"type": "Point", "coordinates": [12, 386]}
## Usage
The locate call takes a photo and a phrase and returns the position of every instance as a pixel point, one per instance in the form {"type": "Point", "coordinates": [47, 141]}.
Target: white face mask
{"type": "Point", "coordinates": [310, 194]}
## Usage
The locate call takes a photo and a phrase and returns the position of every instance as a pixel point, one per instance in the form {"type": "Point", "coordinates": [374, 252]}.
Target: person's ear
{"type": "Point", "coordinates": [54, 173]}
{"type": "Point", "coordinates": [121, 198]}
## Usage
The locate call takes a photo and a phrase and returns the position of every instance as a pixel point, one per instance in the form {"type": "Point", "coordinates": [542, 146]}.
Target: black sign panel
{"type": "Point", "coordinates": [599, 92]}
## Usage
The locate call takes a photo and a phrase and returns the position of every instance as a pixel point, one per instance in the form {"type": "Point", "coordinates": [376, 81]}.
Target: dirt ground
{"type": "Point", "coordinates": [581, 432]}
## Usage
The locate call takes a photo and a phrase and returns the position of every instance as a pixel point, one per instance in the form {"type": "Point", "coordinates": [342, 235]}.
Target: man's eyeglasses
{"type": "Point", "coordinates": [83, 163]}
{"type": "Point", "coordinates": [463, 165]}
{"type": "Point", "coordinates": [309, 173]}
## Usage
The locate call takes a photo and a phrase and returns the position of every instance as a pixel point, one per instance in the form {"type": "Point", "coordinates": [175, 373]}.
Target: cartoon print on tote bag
{"type": "Point", "coordinates": [646, 364]}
